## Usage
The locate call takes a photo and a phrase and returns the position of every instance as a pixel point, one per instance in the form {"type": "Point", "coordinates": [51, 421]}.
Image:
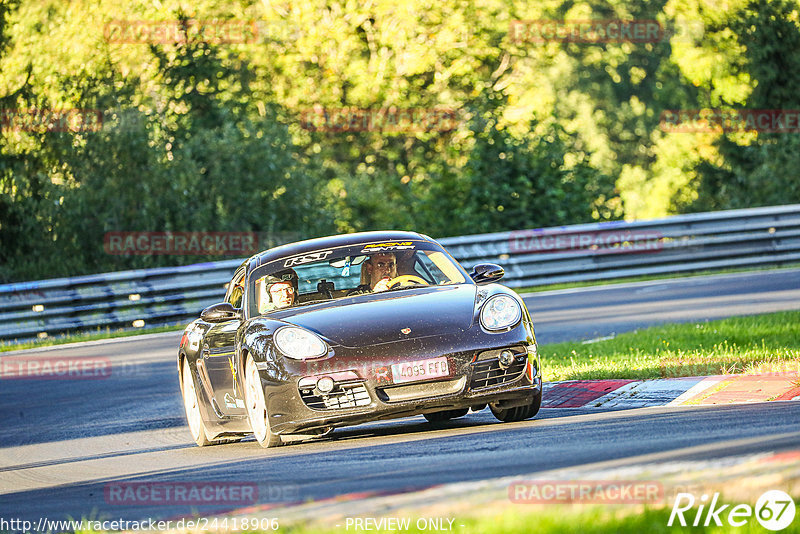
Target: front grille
{"type": "Point", "coordinates": [488, 373]}
{"type": "Point", "coordinates": [344, 396]}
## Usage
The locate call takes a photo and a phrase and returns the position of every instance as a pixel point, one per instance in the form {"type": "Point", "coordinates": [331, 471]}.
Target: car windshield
{"type": "Point", "coordinates": [330, 274]}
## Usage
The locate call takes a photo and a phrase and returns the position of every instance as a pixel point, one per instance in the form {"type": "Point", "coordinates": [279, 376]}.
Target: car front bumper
{"type": "Point", "coordinates": [365, 389]}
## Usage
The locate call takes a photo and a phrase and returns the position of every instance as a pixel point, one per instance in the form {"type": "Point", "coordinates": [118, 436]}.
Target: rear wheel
{"type": "Point", "coordinates": [193, 416]}
{"type": "Point", "coordinates": [257, 406]}
{"type": "Point", "coordinates": [439, 417]}
{"type": "Point", "coordinates": [518, 413]}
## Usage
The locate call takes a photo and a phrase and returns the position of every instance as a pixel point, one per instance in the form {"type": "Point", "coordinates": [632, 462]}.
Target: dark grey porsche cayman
{"type": "Point", "coordinates": [352, 328]}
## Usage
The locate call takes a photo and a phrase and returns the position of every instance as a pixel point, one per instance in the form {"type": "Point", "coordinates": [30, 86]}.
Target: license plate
{"type": "Point", "coordinates": [420, 370]}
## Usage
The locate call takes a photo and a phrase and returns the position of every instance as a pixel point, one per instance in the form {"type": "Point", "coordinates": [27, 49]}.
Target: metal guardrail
{"type": "Point", "coordinates": [600, 251]}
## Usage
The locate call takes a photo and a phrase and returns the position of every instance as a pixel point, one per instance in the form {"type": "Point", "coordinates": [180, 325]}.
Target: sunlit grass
{"type": "Point", "coordinates": [754, 344]}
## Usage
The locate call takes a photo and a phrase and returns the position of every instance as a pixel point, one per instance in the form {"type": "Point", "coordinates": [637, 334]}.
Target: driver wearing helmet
{"type": "Point", "coordinates": [278, 290]}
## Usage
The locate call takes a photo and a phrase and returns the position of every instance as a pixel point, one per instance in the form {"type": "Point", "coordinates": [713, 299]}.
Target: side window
{"type": "Point", "coordinates": [429, 270]}
{"type": "Point", "coordinates": [236, 290]}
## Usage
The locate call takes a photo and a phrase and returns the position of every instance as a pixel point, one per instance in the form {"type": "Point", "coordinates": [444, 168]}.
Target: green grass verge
{"type": "Point", "coordinates": [647, 278]}
{"type": "Point", "coordinates": [759, 343]}
{"type": "Point", "coordinates": [87, 336]}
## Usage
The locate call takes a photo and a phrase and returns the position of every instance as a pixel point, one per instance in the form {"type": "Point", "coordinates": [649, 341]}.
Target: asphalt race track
{"type": "Point", "coordinates": [64, 441]}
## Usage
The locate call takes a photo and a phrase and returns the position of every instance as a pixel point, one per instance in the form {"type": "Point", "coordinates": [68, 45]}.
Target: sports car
{"type": "Point", "coordinates": [353, 328]}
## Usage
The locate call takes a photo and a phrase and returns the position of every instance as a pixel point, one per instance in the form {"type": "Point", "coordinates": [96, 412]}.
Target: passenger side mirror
{"type": "Point", "coordinates": [217, 313]}
{"type": "Point", "coordinates": [486, 273]}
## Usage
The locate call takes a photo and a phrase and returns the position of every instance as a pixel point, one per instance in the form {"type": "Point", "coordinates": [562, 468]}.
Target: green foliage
{"type": "Point", "coordinates": [203, 135]}
{"type": "Point", "coordinates": [755, 170]}
{"type": "Point", "coordinates": [207, 161]}
{"type": "Point", "coordinates": [510, 183]}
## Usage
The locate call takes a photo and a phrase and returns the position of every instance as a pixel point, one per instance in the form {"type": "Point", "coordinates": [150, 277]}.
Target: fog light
{"type": "Point", "coordinates": [325, 384]}
{"type": "Point", "coordinates": [506, 358]}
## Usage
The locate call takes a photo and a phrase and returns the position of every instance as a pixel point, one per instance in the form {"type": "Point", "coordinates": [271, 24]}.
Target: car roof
{"type": "Point", "coordinates": [334, 241]}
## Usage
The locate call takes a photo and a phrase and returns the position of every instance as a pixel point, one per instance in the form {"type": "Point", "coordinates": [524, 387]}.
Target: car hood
{"type": "Point", "coordinates": [386, 317]}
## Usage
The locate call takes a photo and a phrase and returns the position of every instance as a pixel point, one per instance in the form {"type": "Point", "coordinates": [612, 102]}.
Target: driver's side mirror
{"type": "Point", "coordinates": [217, 313]}
{"type": "Point", "coordinates": [486, 273]}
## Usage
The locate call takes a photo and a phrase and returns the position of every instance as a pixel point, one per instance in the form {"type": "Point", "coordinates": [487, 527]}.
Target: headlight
{"type": "Point", "coordinates": [500, 312]}
{"type": "Point", "coordinates": [299, 344]}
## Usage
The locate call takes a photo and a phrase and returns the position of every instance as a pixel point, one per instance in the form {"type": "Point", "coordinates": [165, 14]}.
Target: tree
{"type": "Point", "coordinates": [756, 169]}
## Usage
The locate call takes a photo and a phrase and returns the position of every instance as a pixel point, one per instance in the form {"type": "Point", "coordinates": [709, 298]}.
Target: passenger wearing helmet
{"type": "Point", "coordinates": [278, 290]}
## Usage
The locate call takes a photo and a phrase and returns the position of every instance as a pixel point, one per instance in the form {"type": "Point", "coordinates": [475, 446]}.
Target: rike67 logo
{"type": "Point", "coordinates": [774, 510]}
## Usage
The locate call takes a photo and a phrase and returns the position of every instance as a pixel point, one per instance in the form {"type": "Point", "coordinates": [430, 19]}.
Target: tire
{"type": "Point", "coordinates": [518, 413]}
{"type": "Point", "coordinates": [194, 417]}
{"type": "Point", "coordinates": [440, 417]}
{"type": "Point", "coordinates": [257, 407]}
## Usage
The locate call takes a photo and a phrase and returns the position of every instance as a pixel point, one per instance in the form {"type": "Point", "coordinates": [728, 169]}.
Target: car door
{"type": "Point", "coordinates": [217, 354]}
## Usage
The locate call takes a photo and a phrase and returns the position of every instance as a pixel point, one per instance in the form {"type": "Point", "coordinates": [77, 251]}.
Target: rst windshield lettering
{"type": "Point", "coordinates": [308, 258]}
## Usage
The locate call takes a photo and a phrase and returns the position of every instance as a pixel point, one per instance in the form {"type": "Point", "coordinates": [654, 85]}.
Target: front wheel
{"type": "Point", "coordinates": [518, 413]}
{"type": "Point", "coordinates": [257, 406]}
{"type": "Point", "coordinates": [190, 403]}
